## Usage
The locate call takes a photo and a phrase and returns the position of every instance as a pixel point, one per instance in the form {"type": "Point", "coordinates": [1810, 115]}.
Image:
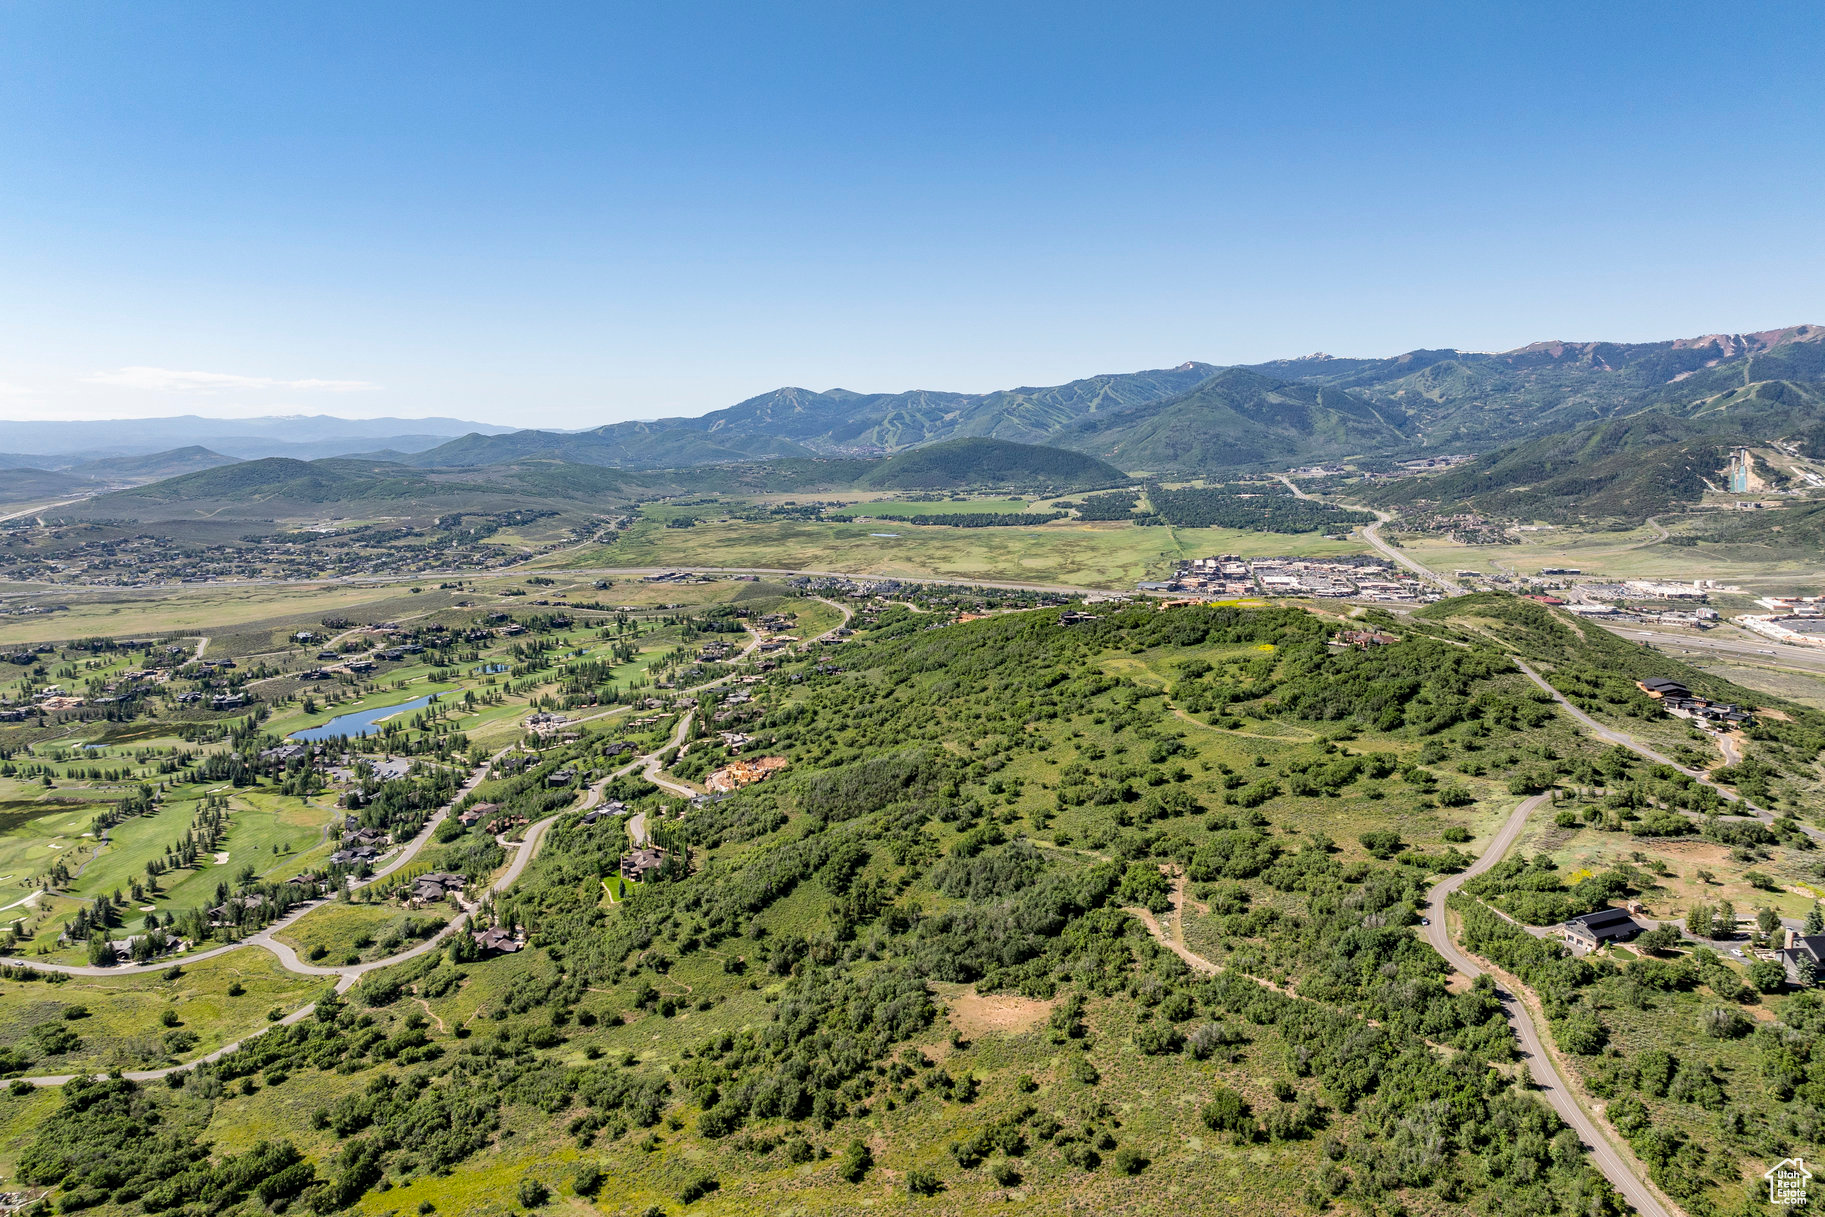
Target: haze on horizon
{"type": "Point", "coordinates": [563, 216]}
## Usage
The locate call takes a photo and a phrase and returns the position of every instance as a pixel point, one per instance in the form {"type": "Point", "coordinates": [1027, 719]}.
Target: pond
{"type": "Point", "coordinates": [358, 723]}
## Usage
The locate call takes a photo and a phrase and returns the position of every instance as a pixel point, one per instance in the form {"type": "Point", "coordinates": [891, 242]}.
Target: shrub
{"type": "Point", "coordinates": [1159, 1039]}
{"type": "Point", "coordinates": [532, 1193]}
{"type": "Point", "coordinates": [1227, 1111]}
{"type": "Point", "coordinates": [1130, 1161]}
{"type": "Point", "coordinates": [588, 1179]}
{"type": "Point", "coordinates": [1580, 1032]}
{"type": "Point", "coordinates": [1767, 975]}
{"type": "Point", "coordinates": [1456, 834]}
{"type": "Point", "coordinates": [858, 1160]}
{"type": "Point", "coordinates": [1382, 843]}
{"type": "Point", "coordinates": [1723, 1023]}
{"type": "Point", "coordinates": [698, 1186]}
{"type": "Point", "coordinates": [923, 1183]}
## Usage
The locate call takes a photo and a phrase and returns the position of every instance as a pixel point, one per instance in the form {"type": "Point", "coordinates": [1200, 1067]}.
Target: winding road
{"type": "Point", "coordinates": [1547, 1079]}
{"type": "Point", "coordinates": [1623, 738]}
{"type": "Point", "coordinates": [1616, 1164]}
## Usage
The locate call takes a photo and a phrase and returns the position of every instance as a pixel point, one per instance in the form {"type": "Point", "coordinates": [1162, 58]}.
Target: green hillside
{"type": "Point", "coordinates": [1114, 914]}
{"type": "Point", "coordinates": [154, 465]}
{"type": "Point", "coordinates": [19, 486]}
{"type": "Point", "coordinates": [1475, 400]}
{"type": "Point", "coordinates": [1240, 420]}
{"type": "Point", "coordinates": [988, 463]}
{"type": "Point", "coordinates": [1626, 468]}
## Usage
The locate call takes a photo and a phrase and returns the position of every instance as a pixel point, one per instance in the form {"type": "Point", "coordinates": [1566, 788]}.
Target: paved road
{"type": "Point", "coordinates": [1552, 1087]}
{"type": "Point", "coordinates": [1613, 736]}
{"type": "Point", "coordinates": [839, 606]}
{"type": "Point", "coordinates": [1372, 534]}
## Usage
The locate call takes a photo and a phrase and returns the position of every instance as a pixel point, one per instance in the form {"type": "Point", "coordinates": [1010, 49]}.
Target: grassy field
{"type": "Point", "coordinates": [351, 933]}
{"type": "Point", "coordinates": [903, 507]}
{"type": "Point", "coordinates": [1109, 556]}
{"type": "Point", "coordinates": [123, 1027]}
{"type": "Point", "coordinates": [205, 610]}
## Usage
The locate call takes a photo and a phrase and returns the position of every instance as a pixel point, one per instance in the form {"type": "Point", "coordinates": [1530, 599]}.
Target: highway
{"type": "Point", "coordinates": [1735, 647]}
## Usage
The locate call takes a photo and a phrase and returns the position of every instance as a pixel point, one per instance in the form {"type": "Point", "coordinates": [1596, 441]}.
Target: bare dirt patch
{"type": "Point", "coordinates": [975, 1013]}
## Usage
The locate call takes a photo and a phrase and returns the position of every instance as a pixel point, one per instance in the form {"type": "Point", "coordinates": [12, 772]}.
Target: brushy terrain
{"type": "Point", "coordinates": [1104, 915]}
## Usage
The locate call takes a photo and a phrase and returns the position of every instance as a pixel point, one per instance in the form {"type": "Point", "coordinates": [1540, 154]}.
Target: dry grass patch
{"type": "Point", "coordinates": [975, 1013]}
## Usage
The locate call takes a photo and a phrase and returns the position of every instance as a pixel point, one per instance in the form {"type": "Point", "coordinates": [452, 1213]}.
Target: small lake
{"type": "Point", "coordinates": [358, 723]}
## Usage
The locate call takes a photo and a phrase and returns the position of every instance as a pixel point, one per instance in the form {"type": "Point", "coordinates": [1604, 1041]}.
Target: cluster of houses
{"type": "Point", "coordinates": [490, 814]}
{"type": "Point", "coordinates": [544, 724]}
{"type": "Point", "coordinates": [1678, 701]}
{"type": "Point", "coordinates": [1801, 956]}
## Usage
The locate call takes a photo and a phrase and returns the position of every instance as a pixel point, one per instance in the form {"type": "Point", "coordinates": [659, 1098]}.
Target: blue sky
{"type": "Point", "coordinates": [554, 214]}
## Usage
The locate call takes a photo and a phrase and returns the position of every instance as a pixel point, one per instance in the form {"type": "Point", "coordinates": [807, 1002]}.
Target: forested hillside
{"type": "Point", "coordinates": [1114, 912]}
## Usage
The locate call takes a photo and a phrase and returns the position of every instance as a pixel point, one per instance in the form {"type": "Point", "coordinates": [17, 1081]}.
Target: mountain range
{"type": "Point", "coordinates": [1593, 429]}
{"type": "Point", "coordinates": [1200, 418]}
{"type": "Point", "coordinates": [58, 445]}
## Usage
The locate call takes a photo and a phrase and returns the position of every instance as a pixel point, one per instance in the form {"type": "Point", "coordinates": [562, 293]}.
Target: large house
{"type": "Point", "coordinates": [640, 863]}
{"type": "Point", "coordinates": [1593, 929]}
{"type": "Point", "coordinates": [1804, 957]}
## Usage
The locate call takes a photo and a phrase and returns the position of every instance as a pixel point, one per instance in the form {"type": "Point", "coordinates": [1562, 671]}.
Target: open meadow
{"type": "Point", "coordinates": [1062, 553]}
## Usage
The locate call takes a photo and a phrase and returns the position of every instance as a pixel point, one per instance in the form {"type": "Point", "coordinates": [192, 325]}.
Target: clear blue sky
{"type": "Point", "coordinates": [568, 214]}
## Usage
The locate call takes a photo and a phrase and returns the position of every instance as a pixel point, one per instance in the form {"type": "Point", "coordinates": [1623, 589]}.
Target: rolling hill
{"type": "Point", "coordinates": [960, 464]}
{"type": "Point", "coordinates": [1239, 420]}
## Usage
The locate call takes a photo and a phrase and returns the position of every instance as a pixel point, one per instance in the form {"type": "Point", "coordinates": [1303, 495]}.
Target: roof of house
{"type": "Point", "coordinates": [1605, 922]}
